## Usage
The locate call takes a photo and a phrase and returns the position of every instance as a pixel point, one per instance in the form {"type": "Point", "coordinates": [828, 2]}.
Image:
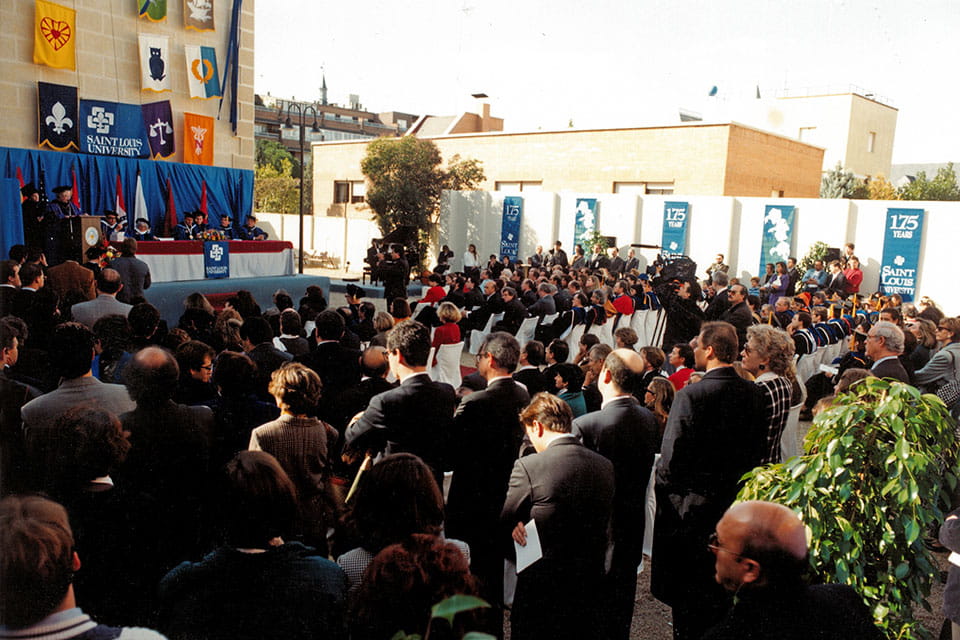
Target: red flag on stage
{"type": "Point", "coordinates": [203, 201]}
{"type": "Point", "coordinates": [20, 180]}
{"type": "Point", "coordinates": [76, 195]}
{"type": "Point", "coordinates": [121, 206]}
{"type": "Point", "coordinates": [170, 219]}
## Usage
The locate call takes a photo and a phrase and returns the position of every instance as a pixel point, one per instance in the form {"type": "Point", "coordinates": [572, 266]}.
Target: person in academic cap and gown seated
{"type": "Point", "coordinates": [226, 228]}
{"type": "Point", "coordinates": [142, 231]}
{"type": "Point", "coordinates": [250, 230]}
{"type": "Point", "coordinates": [186, 230]}
{"type": "Point", "coordinates": [110, 226]}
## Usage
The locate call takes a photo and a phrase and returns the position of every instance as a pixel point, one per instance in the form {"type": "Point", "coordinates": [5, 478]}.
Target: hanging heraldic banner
{"type": "Point", "coordinates": [57, 118]}
{"type": "Point", "coordinates": [777, 234]}
{"type": "Point", "coordinates": [197, 139]}
{"type": "Point", "coordinates": [198, 15]}
{"type": "Point", "coordinates": [202, 76]}
{"type": "Point", "coordinates": [54, 36]}
{"type": "Point", "coordinates": [152, 10]}
{"type": "Point", "coordinates": [158, 119]}
{"type": "Point", "coordinates": [112, 129]}
{"type": "Point", "coordinates": [154, 67]}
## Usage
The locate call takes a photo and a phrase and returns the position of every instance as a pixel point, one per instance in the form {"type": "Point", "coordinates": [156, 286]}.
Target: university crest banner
{"type": "Point", "coordinates": [216, 259]}
{"type": "Point", "coordinates": [510, 227]}
{"type": "Point", "coordinates": [197, 139]}
{"type": "Point", "coordinates": [202, 75]}
{"type": "Point", "coordinates": [901, 252]}
{"type": "Point", "coordinates": [54, 36]}
{"type": "Point", "coordinates": [57, 117]}
{"type": "Point", "coordinates": [586, 220]}
{"type": "Point", "coordinates": [154, 63]}
{"type": "Point", "coordinates": [152, 10]}
{"type": "Point", "coordinates": [198, 15]}
{"type": "Point", "coordinates": [673, 240]}
{"type": "Point", "coordinates": [158, 120]}
{"type": "Point", "coordinates": [112, 129]}
{"type": "Point", "coordinates": [777, 234]}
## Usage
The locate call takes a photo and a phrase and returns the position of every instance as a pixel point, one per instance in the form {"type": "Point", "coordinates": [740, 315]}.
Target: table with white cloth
{"type": "Point", "coordinates": [177, 260]}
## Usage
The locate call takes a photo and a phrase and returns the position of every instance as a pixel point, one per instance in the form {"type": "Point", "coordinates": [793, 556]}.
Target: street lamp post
{"type": "Point", "coordinates": [301, 109]}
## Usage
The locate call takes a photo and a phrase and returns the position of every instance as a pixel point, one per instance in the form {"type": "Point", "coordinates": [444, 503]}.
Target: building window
{"type": "Point", "coordinates": [341, 192]}
{"type": "Point", "coordinates": [806, 134]}
{"type": "Point", "coordinates": [358, 191]}
{"type": "Point", "coordinates": [660, 188]}
{"type": "Point", "coordinates": [776, 193]}
{"type": "Point", "coordinates": [635, 188]}
{"type": "Point", "coordinates": [530, 186]}
{"type": "Point", "coordinates": [871, 141]}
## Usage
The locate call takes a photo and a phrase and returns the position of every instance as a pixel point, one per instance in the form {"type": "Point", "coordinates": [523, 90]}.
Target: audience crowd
{"type": "Point", "coordinates": [295, 472]}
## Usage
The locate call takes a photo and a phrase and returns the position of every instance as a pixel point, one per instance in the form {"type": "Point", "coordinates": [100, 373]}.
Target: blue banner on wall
{"type": "Point", "coordinates": [901, 252]}
{"type": "Point", "coordinates": [586, 220]}
{"type": "Point", "coordinates": [216, 260]}
{"type": "Point", "coordinates": [777, 234]}
{"type": "Point", "coordinates": [673, 241]}
{"type": "Point", "coordinates": [510, 229]}
{"type": "Point", "coordinates": [112, 129]}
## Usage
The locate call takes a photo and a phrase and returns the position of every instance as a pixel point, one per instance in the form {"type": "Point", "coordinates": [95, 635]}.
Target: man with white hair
{"type": "Point", "coordinates": [884, 346]}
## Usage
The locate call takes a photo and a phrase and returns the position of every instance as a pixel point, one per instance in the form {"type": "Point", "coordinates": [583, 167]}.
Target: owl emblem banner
{"type": "Point", "coordinates": [154, 63]}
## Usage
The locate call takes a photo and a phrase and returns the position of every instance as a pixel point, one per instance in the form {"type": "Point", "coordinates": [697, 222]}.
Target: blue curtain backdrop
{"type": "Point", "coordinates": [11, 226]}
{"type": "Point", "coordinates": [228, 190]}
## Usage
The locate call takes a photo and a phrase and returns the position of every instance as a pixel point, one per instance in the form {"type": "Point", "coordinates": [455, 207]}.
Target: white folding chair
{"type": "Point", "coordinates": [448, 364]}
{"type": "Point", "coordinates": [573, 340]}
{"type": "Point", "coordinates": [526, 331]}
{"type": "Point", "coordinates": [476, 337]}
{"type": "Point", "coordinates": [638, 324]}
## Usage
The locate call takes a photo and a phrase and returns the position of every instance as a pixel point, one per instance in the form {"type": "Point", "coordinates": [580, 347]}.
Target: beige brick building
{"type": "Point", "coordinates": [687, 159]}
{"type": "Point", "coordinates": [108, 68]}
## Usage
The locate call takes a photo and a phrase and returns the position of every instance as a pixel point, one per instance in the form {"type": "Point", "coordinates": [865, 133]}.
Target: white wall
{"type": "Point", "coordinates": [732, 226]}
{"type": "Point", "coordinates": [323, 233]}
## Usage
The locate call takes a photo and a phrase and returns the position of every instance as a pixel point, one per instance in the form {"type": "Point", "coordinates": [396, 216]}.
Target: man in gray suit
{"type": "Point", "coordinates": [134, 272]}
{"type": "Point", "coordinates": [105, 304]}
{"type": "Point", "coordinates": [73, 346]}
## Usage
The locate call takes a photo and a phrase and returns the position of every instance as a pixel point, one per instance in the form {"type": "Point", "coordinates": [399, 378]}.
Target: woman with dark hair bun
{"type": "Point", "coordinates": [396, 498]}
{"type": "Point", "coordinates": [259, 584]}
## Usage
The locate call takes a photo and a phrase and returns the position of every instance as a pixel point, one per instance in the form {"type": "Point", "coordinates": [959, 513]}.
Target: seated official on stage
{"type": "Point", "coordinates": [186, 230]}
{"type": "Point", "coordinates": [110, 226]}
{"type": "Point", "coordinates": [226, 227]}
{"type": "Point", "coordinates": [250, 230]}
{"type": "Point", "coordinates": [141, 231]}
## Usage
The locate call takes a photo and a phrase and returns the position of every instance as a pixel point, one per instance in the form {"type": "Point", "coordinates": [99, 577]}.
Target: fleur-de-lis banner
{"type": "Point", "coordinates": [158, 119]}
{"type": "Point", "coordinates": [198, 15]}
{"type": "Point", "coordinates": [197, 139]}
{"type": "Point", "coordinates": [152, 10]}
{"type": "Point", "coordinates": [202, 75]}
{"type": "Point", "coordinates": [112, 129]}
{"type": "Point", "coordinates": [54, 35]}
{"type": "Point", "coordinates": [154, 63]}
{"type": "Point", "coordinates": [57, 123]}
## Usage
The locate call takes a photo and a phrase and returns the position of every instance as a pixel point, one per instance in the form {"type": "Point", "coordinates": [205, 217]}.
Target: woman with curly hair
{"type": "Point", "coordinates": [768, 355]}
{"type": "Point", "coordinates": [658, 397]}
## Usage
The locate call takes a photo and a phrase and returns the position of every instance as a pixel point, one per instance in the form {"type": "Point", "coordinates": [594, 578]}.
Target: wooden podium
{"type": "Point", "coordinates": [79, 234]}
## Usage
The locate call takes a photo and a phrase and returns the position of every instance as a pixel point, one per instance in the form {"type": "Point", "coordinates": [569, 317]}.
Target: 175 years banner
{"type": "Point", "coordinates": [673, 240]}
{"type": "Point", "coordinates": [901, 252]}
{"type": "Point", "coordinates": [510, 228]}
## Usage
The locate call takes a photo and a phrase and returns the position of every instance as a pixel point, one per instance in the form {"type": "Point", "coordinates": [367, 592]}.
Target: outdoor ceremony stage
{"type": "Point", "coordinates": [168, 297]}
{"type": "Point", "coordinates": [175, 261]}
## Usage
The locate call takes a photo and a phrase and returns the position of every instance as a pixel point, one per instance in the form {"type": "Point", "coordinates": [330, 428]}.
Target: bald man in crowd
{"type": "Point", "coordinates": [626, 434]}
{"type": "Point", "coordinates": [761, 556]}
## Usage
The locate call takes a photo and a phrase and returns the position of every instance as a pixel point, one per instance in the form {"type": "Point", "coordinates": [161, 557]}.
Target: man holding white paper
{"type": "Point", "coordinates": [567, 490]}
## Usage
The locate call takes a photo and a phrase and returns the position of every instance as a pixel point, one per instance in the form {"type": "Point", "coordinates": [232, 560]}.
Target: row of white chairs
{"type": "Point", "coordinates": [809, 364]}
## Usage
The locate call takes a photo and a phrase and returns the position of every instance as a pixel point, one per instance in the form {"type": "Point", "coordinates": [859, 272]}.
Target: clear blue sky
{"type": "Point", "coordinates": [610, 63]}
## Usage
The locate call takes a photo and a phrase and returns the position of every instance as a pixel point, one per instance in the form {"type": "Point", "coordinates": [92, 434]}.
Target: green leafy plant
{"type": "Point", "coordinates": [447, 609]}
{"type": "Point", "coordinates": [876, 474]}
{"type": "Point", "coordinates": [591, 239]}
{"type": "Point", "coordinates": [818, 251]}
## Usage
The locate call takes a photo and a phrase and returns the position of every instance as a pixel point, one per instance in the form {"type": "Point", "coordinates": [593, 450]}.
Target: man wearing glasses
{"type": "Point", "coordinates": [884, 346]}
{"type": "Point", "coordinates": [760, 551]}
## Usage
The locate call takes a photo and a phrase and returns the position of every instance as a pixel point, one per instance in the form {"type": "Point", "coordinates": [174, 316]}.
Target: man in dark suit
{"type": "Point", "coordinates": [414, 417]}
{"type": "Point", "coordinates": [9, 285]}
{"type": "Point", "coordinates": [545, 304]}
{"type": "Point", "coordinates": [532, 356]}
{"type": "Point", "coordinates": [557, 257]}
{"type": "Point", "coordinates": [716, 432]}
{"type": "Point", "coordinates": [256, 337]}
{"type": "Point", "coordinates": [536, 260]}
{"type": "Point", "coordinates": [484, 443]}
{"type": "Point", "coordinates": [738, 314]}
{"type": "Point", "coordinates": [721, 300]}
{"type": "Point", "coordinates": [884, 346]}
{"type": "Point", "coordinates": [373, 381]}
{"type": "Point", "coordinates": [492, 304]}
{"type": "Point", "coordinates": [513, 312]}
{"type": "Point", "coordinates": [567, 490]}
{"type": "Point", "coordinates": [338, 366]}
{"type": "Point", "coordinates": [836, 282]}
{"type": "Point", "coordinates": [626, 434]}
{"type": "Point", "coordinates": [616, 263]}
{"type": "Point", "coordinates": [632, 261]}
{"type": "Point", "coordinates": [32, 280]}
{"type": "Point", "coordinates": [598, 260]}
{"type": "Point", "coordinates": [394, 271]}
{"type": "Point", "coordinates": [528, 292]}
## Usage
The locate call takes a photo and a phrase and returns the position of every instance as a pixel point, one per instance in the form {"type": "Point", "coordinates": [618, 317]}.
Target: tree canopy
{"type": "Point", "coordinates": [276, 188]}
{"type": "Point", "coordinates": [943, 186]}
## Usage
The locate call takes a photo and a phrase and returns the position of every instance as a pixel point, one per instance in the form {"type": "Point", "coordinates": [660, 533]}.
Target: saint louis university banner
{"type": "Point", "coordinates": [57, 116]}
{"type": "Point", "coordinates": [158, 119]}
{"type": "Point", "coordinates": [673, 240]}
{"type": "Point", "coordinates": [198, 15]}
{"type": "Point", "coordinates": [154, 63]}
{"type": "Point", "coordinates": [202, 75]}
{"type": "Point", "coordinates": [586, 220]}
{"type": "Point", "coordinates": [777, 234]}
{"type": "Point", "coordinates": [54, 35]}
{"type": "Point", "coordinates": [901, 252]}
{"type": "Point", "coordinates": [112, 129]}
{"type": "Point", "coordinates": [510, 227]}
{"type": "Point", "coordinates": [216, 259]}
